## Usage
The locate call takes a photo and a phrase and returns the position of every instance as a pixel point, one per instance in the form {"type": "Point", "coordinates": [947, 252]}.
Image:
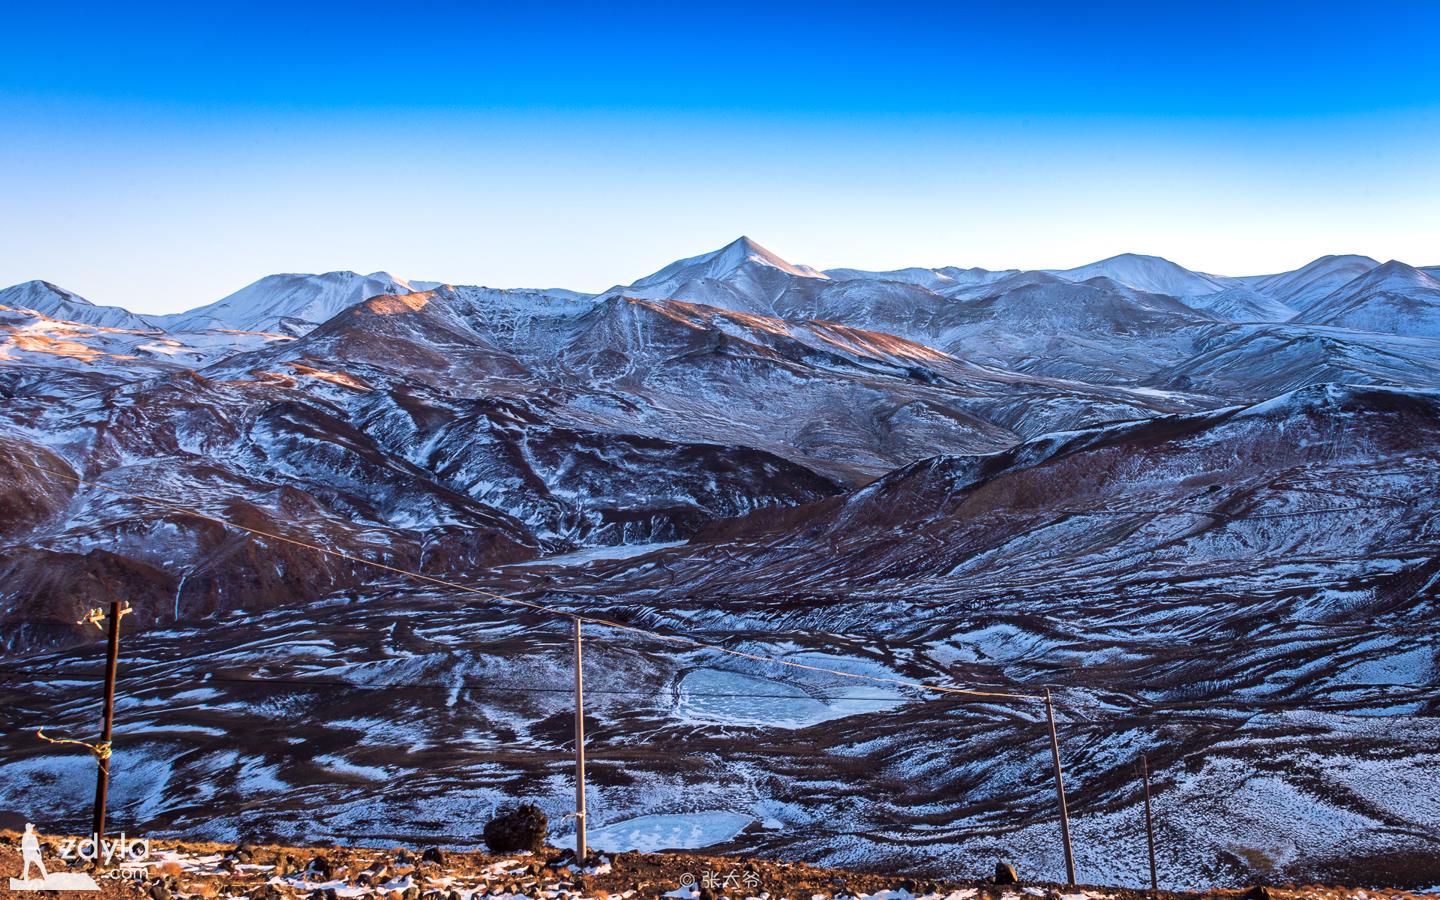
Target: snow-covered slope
{"type": "Point", "coordinates": [284, 304]}
{"type": "Point", "coordinates": [1241, 304]}
{"type": "Point", "coordinates": [1392, 298]}
{"type": "Point", "coordinates": [1152, 274]}
{"type": "Point", "coordinates": [939, 280]}
{"type": "Point", "coordinates": [1251, 362]}
{"type": "Point", "coordinates": [1246, 595]}
{"type": "Point", "coordinates": [1095, 331]}
{"type": "Point", "coordinates": [58, 303]}
{"type": "Point", "coordinates": [31, 338]}
{"type": "Point", "coordinates": [1313, 281]}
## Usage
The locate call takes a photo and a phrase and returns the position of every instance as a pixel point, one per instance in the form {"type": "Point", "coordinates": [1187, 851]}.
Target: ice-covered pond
{"type": "Point", "coordinates": [596, 554]}
{"type": "Point", "coordinates": [733, 698]}
{"type": "Point", "coordinates": [686, 831]}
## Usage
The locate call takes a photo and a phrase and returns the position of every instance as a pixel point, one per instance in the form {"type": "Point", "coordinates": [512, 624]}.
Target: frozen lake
{"type": "Point", "coordinates": [687, 831]}
{"type": "Point", "coordinates": [594, 554]}
{"type": "Point", "coordinates": [732, 698]}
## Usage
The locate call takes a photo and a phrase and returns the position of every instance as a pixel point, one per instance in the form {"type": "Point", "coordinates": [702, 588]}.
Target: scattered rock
{"type": "Point", "coordinates": [376, 874]}
{"type": "Point", "coordinates": [521, 828]}
{"type": "Point", "coordinates": [1005, 874]}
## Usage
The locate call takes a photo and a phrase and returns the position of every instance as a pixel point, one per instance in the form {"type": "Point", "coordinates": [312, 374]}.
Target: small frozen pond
{"type": "Point", "coordinates": [730, 698]}
{"type": "Point", "coordinates": [688, 831]}
{"type": "Point", "coordinates": [580, 557]}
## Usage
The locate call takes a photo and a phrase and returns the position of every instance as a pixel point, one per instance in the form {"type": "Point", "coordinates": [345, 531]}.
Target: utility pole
{"type": "Point", "coordinates": [580, 850]}
{"type": "Point", "coordinates": [102, 754]}
{"type": "Point", "coordinates": [1060, 792]}
{"type": "Point", "coordinates": [1149, 823]}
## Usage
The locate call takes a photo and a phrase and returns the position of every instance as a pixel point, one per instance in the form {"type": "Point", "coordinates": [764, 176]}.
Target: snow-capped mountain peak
{"type": "Point", "coordinates": [1395, 273]}
{"type": "Point", "coordinates": [1152, 274]}
{"type": "Point", "coordinates": [57, 303]}
{"type": "Point", "coordinates": [288, 303]}
{"type": "Point", "coordinates": [735, 256]}
{"type": "Point", "coordinates": [1393, 298]}
{"type": "Point", "coordinates": [1313, 281]}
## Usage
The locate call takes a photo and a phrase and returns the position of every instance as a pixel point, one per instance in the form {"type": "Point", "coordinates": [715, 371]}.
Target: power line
{"type": "Point", "coordinates": [539, 607]}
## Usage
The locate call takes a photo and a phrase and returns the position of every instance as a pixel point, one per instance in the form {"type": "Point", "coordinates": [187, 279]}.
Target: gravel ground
{"type": "Point", "coordinates": [208, 871]}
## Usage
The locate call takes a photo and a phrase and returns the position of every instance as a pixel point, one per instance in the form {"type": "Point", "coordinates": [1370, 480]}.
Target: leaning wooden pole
{"type": "Point", "coordinates": [1060, 792]}
{"type": "Point", "coordinates": [102, 754]}
{"type": "Point", "coordinates": [1149, 823]}
{"type": "Point", "coordinates": [580, 849]}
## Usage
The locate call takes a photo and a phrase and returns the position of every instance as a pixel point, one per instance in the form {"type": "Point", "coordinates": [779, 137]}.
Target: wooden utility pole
{"type": "Point", "coordinates": [102, 755]}
{"type": "Point", "coordinates": [580, 850]}
{"type": "Point", "coordinates": [1149, 823]}
{"type": "Point", "coordinates": [1060, 792]}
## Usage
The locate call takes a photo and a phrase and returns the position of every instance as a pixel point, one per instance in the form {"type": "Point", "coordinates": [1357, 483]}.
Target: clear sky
{"type": "Point", "coordinates": [161, 156]}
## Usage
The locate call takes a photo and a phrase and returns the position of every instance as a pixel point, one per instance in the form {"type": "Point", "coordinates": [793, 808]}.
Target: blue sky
{"type": "Point", "coordinates": [161, 156]}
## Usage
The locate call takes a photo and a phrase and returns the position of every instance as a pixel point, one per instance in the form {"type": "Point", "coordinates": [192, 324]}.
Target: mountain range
{"type": "Point", "coordinates": [1199, 507]}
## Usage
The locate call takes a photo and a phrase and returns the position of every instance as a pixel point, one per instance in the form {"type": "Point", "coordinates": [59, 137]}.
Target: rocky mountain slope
{"type": "Point", "coordinates": [1207, 531]}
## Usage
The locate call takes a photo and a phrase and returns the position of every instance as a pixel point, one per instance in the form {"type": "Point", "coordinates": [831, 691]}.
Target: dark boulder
{"type": "Point", "coordinates": [521, 828]}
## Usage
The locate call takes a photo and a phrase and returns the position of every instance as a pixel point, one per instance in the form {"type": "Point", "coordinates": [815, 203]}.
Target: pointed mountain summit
{"type": "Point", "coordinates": [735, 257]}
{"type": "Point", "coordinates": [741, 276]}
{"type": "Point", "coordinates": [1313, 281]}
{"type": "Point", "coordinates": [1152, 274]}
{"type": "Point", "coordinates": [1393, 298]}
{"type": "Point", "coordinates": [58, 303]}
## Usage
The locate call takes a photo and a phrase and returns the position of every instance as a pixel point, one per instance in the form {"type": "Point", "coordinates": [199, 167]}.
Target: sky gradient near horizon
{"type": "Point", "coordinates": [161, 156]}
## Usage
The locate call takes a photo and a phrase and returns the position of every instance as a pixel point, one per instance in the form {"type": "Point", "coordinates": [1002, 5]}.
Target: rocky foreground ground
{"type": "Point", "coordinates": [202, 871]}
